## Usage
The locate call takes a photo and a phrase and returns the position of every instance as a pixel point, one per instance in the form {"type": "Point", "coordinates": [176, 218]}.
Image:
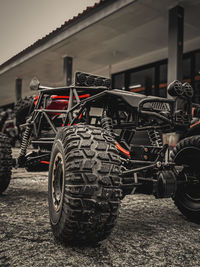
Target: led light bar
{"type": "Point", "coordinates": [89, 80]}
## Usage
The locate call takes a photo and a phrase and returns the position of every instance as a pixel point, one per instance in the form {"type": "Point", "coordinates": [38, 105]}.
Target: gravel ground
{"type": "Point", "coordinates": [149, 232]}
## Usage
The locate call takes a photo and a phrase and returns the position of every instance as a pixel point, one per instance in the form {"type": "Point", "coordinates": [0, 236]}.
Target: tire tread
{"type": "Point", "coordinates": [92, 185]}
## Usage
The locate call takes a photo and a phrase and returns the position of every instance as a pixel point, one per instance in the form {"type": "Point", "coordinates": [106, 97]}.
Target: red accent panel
{"type": "Point", "coordinates": [126, 152]}
{"type": "Point", "coordinates": [193, 125]}
{"type": "Point", "coordinates": [84, 96]}
{"type": "Point", "coordinates": [45, 162]}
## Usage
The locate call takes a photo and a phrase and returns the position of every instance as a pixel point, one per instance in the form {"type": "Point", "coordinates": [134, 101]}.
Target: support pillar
{"type": "Point", "coordinates": [175, 43]}
{"type": "Point", "coordinates": [18, 88]}
{"type": "Point", "coordinates": [67, 68]}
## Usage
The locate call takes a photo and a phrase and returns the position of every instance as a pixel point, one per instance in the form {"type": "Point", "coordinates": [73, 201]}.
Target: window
{"type": "Point", "coordinates": [162, 92]}
{"type": "Point", "coordinates": [119, 81]}
{"type": "Point", "coordinates": [142, 81]}
{"type": "Point", "coordinates": [197, 64]}
{"type": "Point", "coordinates": [187, 70]}
{"type": "Point", "coordinates": [196, 98]}
{"type": "Point", "coordinates": [151, 79]}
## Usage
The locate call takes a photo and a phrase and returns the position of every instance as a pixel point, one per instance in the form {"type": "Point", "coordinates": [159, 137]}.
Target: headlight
{"type": "Point", "coordinates": [175, 89]}
{"type": "Point", "coordinates": [188, 90]}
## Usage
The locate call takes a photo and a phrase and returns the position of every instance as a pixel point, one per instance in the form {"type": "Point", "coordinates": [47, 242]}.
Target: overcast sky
{"type": "Point", "coordinates": [22, 22]}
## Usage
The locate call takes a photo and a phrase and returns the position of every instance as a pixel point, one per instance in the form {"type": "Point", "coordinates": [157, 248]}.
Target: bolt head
{"type": "Point", "coordinates": [158, 164]}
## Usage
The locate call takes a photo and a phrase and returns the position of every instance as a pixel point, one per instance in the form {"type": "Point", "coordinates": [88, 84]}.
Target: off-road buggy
{"type": "Point", "coordinates": [86, 134]}
{"type": "Point", "coordinates": [11, 118]}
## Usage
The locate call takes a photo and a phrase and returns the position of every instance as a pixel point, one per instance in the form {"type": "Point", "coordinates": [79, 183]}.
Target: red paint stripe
{"type": "Point", "coordinates": [86, 95]}
{"type": "Point", "coordinates": [45, 162]}
{"type": "Point", "coordinates": [193, 125]}
{"type": "Point", "coordinates": [126, 152]}
{"type": "Point", "coordinates": [63, 96]}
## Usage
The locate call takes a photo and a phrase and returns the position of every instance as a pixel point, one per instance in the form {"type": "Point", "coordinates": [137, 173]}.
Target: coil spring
{"type": "Point", "coordinates": [25, 141]}
{"type": "Point", "coordinates": [106, 123]}
{"type": "Point", "coordinates": [155, 138]}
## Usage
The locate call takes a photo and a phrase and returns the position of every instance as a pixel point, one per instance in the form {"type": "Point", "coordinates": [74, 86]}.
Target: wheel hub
{"type": "Point", "coordinates": [58, 182]}
{"type": "Point", "coordinates": [192, 187]}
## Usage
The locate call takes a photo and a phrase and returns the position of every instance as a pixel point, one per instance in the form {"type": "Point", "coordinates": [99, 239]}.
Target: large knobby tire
{"type": "Point", "coordinates": [3, 118]}
{"type": "Point", "coordinates": [84, 185]}
{"type": "Point", "coordinates": [23, 109]}
{"type": "Point", "coordinates": [5, 162]}
{"type": "Point", "coordinates": [187, 197]}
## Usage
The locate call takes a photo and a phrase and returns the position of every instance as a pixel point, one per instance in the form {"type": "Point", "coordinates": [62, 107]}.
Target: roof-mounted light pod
{"type": "Point", "coordinates": [175, 88]}
{"type": "Point", "coordinates": [34, 84]}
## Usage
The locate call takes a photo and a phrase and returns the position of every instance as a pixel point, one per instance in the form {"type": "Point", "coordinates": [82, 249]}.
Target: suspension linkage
{"type": "Point", "coordinates": [156, 164]}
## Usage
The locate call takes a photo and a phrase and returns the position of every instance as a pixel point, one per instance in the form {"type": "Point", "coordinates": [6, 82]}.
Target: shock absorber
{"type": "Point", "coordinates": [155, 137]}
{"type": "Point", "coordinates": [25, 141]}
{"type": "Point", "coordinates": [106, 123]}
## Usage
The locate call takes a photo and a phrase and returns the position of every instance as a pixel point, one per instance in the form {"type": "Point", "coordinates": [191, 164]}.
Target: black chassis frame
{"type": "Point", "coordinates": [129, 112]}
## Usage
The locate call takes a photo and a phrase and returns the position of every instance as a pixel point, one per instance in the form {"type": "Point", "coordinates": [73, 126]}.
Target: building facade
{"type": "Point", "coordinates": [141, 44]}
{"type": "Point", "coordinates": [151, 79]}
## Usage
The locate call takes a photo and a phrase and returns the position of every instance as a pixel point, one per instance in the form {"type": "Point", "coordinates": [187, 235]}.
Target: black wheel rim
{"type": "Point", "coordinates": [57, 182]}
{"type": "Point", "coordinates": [192, 188]}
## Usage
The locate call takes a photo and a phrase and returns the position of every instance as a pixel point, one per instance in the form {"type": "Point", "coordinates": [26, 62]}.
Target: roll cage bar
{"type": "Point", "coordinates": [134, 106]}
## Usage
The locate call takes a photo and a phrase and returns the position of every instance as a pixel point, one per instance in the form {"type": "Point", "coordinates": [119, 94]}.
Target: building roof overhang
{"type": "Point", "coordinates": [71, 27]}
{"type": "Point", "coordinates": [118, 35]}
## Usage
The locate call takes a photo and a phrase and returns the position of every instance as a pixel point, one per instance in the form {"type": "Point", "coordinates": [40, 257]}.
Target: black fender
{"type": "Point", "coordinates": [193, 130]}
